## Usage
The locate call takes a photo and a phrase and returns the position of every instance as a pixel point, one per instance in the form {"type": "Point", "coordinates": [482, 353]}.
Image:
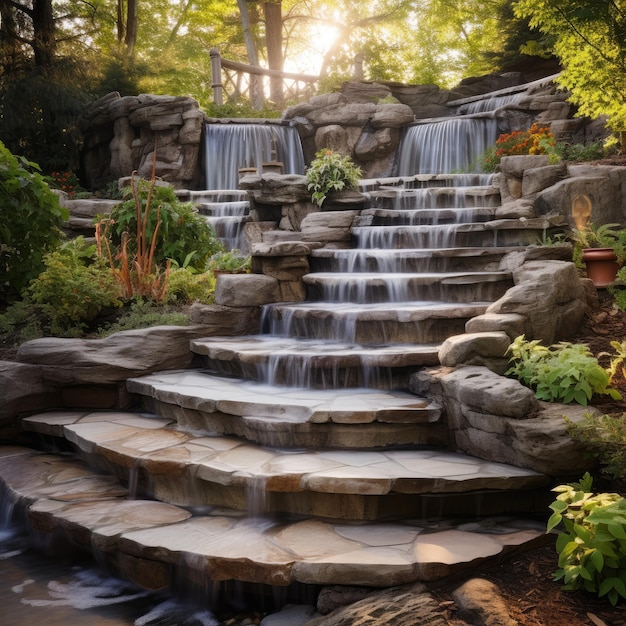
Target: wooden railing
{"type": "Point", "coordinates": [232, 80]}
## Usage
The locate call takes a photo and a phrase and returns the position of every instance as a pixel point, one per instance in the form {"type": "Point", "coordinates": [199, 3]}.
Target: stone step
{"type": "Point", "coordinates": [193, 469]}
{"type": "Point", "coordinates": [372, 287]}
{"type": "Point", "coordinates": [272, 416]}
{"type": "Point", "coordinates": [314, 363]}
{"type": "Point", "coordinates": [419, 181]}
{"type": "Point", "coordinates": [235, 208]}
{"type": "Point", "coordinates": [154, 544]}
{"type": "Point", "coordinates": [370, 324]}
{"type": "Point", "coordinates": [399, 215]}
{"type": "Point", "coordinates": [215, 195]}
{"type": "Point", "coordinates": [503, 232]}
{"type": "Point", "coordinates": [434, 197]}
{"type": "Point", "coordinates": [470, 259]}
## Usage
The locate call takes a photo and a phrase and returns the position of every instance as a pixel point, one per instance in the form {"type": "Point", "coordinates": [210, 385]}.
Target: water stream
{"type": "Point", "coordinates": [230, 147]}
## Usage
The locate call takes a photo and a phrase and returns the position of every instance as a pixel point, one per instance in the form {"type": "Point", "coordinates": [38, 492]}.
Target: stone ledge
{"type": "Point", "coordinates": [60, 494]}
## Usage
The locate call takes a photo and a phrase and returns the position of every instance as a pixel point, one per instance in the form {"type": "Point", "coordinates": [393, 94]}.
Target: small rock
{"type": "Point", "coordinates": [479, 600]}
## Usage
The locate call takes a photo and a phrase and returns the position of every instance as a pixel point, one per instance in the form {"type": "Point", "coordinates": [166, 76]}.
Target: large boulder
{"type": "Point", "coordinates": [520, 431]}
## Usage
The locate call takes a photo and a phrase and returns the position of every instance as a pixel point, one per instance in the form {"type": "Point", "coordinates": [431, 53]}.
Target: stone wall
{"type": "Point", "coordinates": [120, 135]}
{"type": "Point", "coordinates": [363, 120]}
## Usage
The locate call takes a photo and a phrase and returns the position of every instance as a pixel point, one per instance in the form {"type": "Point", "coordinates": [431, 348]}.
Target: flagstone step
{"type": "Point", "coordinates": [434, 197]}
{"type": "Point", "coordinates": [291, 417]}
{"type": "Point", "coordinates": [314, 363]}
{"type": "Point", "coordinates": [192, 469]}
{"type": "Point", "coordinates": [400, 287]}
{"type": "Point", "coordinates": [397, 215]}
{"type": "Point", "coordinates": [153, 543]}
{"type": "Point", "coordinates": [469, 259]}
{"type": "Point", "coordinates": [420, 181]}
{"type": "Point", "coordinates": [502, 232]}
{"type": "Point", "coordinates": [370, 324]}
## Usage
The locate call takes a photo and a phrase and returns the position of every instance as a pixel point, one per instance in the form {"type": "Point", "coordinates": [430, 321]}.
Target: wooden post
{"type": "Point", "coordinates": [358, 66]}
{"type": "Point", "coordinates": [216, 76]}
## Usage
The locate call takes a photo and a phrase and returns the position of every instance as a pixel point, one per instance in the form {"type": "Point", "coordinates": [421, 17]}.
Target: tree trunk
{"type": "Point", "coordinates": [274, 43]}
{"type": "Point", "coordinates": [10, 51]}
{"type": "Point", "coordinates": [131, 27]}
{"type": "Point", "coordinates": [120, 23]}
{"type": "Point", "coordinates": [44, 41]}
{"type": "Point", "coordinates": [256, 84]}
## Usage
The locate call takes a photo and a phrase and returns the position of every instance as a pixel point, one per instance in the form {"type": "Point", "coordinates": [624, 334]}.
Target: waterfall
{"type": "Point", "coordinates": [230, 147]}
{"type": "Point", "coordinates": [452, 144]}
{"type": "Point", "coordinates": [489, 104]}
{"type": "Point", "coordinates": [456, 143]}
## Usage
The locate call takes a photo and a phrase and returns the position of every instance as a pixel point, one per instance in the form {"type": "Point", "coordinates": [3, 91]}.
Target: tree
{"type": "Point", "coordinates": [590, 40]}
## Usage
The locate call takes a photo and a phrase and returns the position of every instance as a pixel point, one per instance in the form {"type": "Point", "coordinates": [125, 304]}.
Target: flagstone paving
{"type": "Point", "coordinates": [151, 542]}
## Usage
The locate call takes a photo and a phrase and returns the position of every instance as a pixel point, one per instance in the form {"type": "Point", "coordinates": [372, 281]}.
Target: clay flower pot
{"type": "Point", "coordinates": [601, 265]}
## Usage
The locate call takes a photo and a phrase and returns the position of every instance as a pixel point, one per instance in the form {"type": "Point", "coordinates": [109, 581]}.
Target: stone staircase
{"type": "Point", "coordinates": [297, 455]}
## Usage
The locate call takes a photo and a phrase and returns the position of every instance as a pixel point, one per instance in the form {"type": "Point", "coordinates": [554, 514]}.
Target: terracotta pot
{"type": "Point", "coordinates": [601, 265]}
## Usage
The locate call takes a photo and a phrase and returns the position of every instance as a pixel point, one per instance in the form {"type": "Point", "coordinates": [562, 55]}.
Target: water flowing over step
{"type": "Point", "coordinates": [148, 451]}
{"type": "Point", "coordinates": [227, 211]}
{"type": "Point", "coordinates": [303, 364]}
{"type": "Point", "coordinates": [291, 416]}
{"type": "Point", "coordinates": [154, 543]}
{"type": "Point", "coordinates": [375, 324]}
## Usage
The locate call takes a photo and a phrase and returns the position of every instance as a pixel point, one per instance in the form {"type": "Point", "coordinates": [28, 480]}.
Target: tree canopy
{"type": "Point", "coordinates": [69, 52]}
{"type": "Point", "coordinates": [589, 37]}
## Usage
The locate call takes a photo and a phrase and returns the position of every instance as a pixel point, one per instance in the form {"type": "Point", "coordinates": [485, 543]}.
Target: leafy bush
{"type": "Point", "coordinates": [328, 172]}
{"type": "Point", "coordinates": [229, 261]}
{"type": "Point", "coordinates": [183, 235]}
{"type": "Point", "coordinates": [67, 182]}
{"type": "Point", "coordinates": [605, 437]}
{"type": "Point", "coordinates": [73, 288]}
{"type": "Point", "coordinates": [143, 314]}
{"type": "Point", "coordinates": [581, 152]}
{"type": "Point", "coordinates": [592, 547]}
{"type": "Point", "coordinates": [30, 220]}
{"type": "Point", "coordinates": [619, 292]}
{"type": "Point", "coordinates": [535, 140]}
{"type": "Point", "coordinates": [563, 372]}
{"type": "Point", "coordinates": [185, 287]}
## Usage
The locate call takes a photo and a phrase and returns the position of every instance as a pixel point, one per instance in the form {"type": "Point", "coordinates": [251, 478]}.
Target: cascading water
{"type": "Point", "coordinates": [447, 145]}
{"type": "Point", "coordinates": [230, 147]}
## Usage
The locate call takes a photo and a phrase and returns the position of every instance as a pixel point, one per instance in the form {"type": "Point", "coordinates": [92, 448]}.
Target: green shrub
{"type": "Point", "coordinates": [605, 438]}
{"type": "Point", "coordinates": [22, 321]}
{"type": "Point", "coordinates": [581, 152]}
{"type": "Point", "coordinates": [73, 288]}
{"type": "Point", "coordinates": [328, 172]}
{"type": "Point", "coordinates": [184, 236]}
{"type": "Point", "coordinates": [230, 261]}
{"type": "Point", "coordinates": [143, 314]}
{"type": "Point", "coordinates": [185, 287]}
{"type": "Point", "coordinates": [619, 292]}
{"type": "Point", "coordinates": [30, 220]}
{"type": "Point", "coordinates": [563, 372]}
{"type": "Point", "coordinates": [592, 546]}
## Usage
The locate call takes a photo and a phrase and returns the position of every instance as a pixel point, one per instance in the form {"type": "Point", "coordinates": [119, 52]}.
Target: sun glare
{"type": "Point", "coordinates": [308, 60]}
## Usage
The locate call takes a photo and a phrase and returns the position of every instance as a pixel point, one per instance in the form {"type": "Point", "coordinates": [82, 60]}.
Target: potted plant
{"type": "Point", "coordinates": [229, 262]}
{"type": "Point", "coordinates": [330, 172]}
{"type": "Point", "coordinates": [602, 251]}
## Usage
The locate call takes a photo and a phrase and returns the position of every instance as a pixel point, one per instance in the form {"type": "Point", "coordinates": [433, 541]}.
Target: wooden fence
{"type": "Point", "coordinates": [232, 80]}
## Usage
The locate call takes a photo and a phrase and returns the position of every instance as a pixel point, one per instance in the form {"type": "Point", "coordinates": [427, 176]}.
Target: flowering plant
{"type": "Point", "coordinates": [65, 181]}
{"type": "Point", "coordinates": [535, 140]}
{"type": "Point", "coordinates": [328, 172]}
